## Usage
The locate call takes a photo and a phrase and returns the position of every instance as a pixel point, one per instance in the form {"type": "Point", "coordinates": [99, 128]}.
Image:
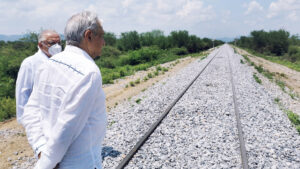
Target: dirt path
{"type": "Point", "coordinates": [292, 77]}
{"type": "Point", "coordinates": [13, 140]}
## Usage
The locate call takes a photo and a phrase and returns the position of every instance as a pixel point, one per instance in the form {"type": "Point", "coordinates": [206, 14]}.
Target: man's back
{"type": "Point", "coordinates": [69, 97]}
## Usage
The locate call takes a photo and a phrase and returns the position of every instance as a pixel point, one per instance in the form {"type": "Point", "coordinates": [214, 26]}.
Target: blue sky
{"type": "Point", "coordinates": [204, 18]}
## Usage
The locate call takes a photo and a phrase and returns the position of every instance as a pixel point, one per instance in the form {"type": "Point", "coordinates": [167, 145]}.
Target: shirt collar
{"type": "Point", "coordinates": [42, 54]}
{"type": "Point", "coordinates": [75, 49]}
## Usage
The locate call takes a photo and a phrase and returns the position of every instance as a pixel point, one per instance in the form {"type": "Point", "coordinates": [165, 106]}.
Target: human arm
{"type": "Point", "coordinates": [23, 88]}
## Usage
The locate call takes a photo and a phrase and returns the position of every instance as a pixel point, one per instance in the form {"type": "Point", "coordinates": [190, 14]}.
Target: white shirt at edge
{"type": "Point", "coordinates": [25, 79]}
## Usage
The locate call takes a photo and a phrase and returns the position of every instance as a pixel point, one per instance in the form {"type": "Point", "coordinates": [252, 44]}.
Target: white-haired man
{"type": "Point", "coordinates": [68, 101]}
{"type": "Point", "coordinates": [48, 44]}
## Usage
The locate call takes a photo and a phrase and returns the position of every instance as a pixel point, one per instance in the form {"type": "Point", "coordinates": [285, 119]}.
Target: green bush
{"type": "Point", "coordinates": [294, 53]}
{"type": "Point", "coordinates": [179, 51]}
{"type": "Point", "coordinates": [109, 51]}
{"type": "Point", "coordinates": [7, 108]}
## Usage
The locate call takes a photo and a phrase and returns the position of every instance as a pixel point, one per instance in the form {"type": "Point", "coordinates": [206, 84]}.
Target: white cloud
{"type": "Point", "coordinates": [194, 10]}
{"type": "Point", "coordinates": [253, 6]}
{"type": "Point", "coordinates": [127, 3]}
{"type": "Point", "coordinates": [288, 8]}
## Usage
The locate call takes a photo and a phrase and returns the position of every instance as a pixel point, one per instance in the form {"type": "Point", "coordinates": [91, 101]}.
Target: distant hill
{"type": "Point", "coordinates": [10, 37]}
{"type": "Point", "coordinates": [17, 37]}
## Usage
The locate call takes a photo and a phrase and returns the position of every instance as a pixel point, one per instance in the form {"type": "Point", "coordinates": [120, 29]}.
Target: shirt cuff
{"type": "Point", "coordinates": [38, 146]}
{"type": "Point", "coordinates": [44, 162]}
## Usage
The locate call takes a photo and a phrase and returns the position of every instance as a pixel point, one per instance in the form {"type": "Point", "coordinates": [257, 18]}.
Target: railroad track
{"type": "Point", "coordinates": [140, 143]}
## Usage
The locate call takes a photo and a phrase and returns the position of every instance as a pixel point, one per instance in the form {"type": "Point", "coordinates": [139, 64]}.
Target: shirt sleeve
{"type": "Point", "coordinates": [73, 116]}
{"type": "Point", "coordinates": [31, 122]}
{"type": "Point", "coordinates": [23, 88]}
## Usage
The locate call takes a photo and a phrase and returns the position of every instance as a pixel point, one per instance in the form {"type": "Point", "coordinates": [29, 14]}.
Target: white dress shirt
{"type": "Point", "coordinates": [65, 117]}
{"type": "Point", "coordinates": [25, 80]}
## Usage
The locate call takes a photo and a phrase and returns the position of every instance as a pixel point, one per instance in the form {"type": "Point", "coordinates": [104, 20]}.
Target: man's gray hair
{"type": "Point", "coordinates": [42, 35]}
{"type": "Point", "coordinates": [78, 24]}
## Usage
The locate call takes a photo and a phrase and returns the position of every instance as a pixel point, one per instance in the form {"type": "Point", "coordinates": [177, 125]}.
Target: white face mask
{"type": "Point", "coordinates": [54, 49]}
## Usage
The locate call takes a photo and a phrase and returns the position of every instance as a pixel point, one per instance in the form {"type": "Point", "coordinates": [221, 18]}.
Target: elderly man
{"type": "Point", "coordinates": [65, 114]}
{"type": "Point", "coordinates": [49, 44]}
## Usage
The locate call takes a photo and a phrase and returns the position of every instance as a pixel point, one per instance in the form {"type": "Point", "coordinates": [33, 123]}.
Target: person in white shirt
{"type": "Point", "coordinates": [48, 44]}
{"type": "Point", "coordinates": [65, 117]}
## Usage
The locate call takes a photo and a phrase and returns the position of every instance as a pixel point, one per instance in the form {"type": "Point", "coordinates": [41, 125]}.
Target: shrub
{"type": "Point", "coordinates": [137, 81]}
{"type": "Point", "coordinates": [150, 75]}
{"type": "Point", "coordinates": [179, 51]}
{"type": "Point", "coordinates": [7, 108]}
{"type": "Point", "coordinates": [132, 83]}
{"type": "Point", "coordinates": [158, 68]}
{"type": "Point", "coordinates": [110, 51]}
{"type": "Point", "coordinates": [294, 53]}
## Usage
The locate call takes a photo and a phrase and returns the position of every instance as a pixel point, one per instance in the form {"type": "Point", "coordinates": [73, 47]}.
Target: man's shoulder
{"type": "Point", "coordinates": [76, 62]}
{"type": "Point", "coordinates": [35, 58]}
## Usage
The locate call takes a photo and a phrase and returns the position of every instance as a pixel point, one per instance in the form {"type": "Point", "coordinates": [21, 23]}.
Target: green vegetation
{"type": "Point", "coordinates": [281, 84]}
{"type": "Point", "coordinates": [242, 62]}
{"type": "Point", "coordinates": [7, 108]}
{"type": "Point", "coordinates": [259, 68]}
{"type": "Point", "coordinates": [277, 100]}
{"type": "Point", "coordinates": [122, 56]}
{"type": "Point", "coordinates": [276, 46]}
{"type": "Point", "coordinates": [293, 117]}
{"type": "Point", "coordinates": [138, 101]}
{"type": "Point", "coordinates": [257, 79]}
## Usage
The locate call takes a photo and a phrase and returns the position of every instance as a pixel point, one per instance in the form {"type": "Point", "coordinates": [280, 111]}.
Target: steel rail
{"type": "Point", "coordinates": [238, 121]}
{"type": "Point", "coordinates": [140, 143]}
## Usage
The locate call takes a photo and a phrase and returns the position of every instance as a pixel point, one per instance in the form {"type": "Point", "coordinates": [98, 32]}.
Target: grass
{"type": "Point", "coordinates": [150, 75]}
{"type": "Point", "coordinates": [131, 83]}
{"type": "Point", "coordinates": [138, 101]}
{"type": "Point", "coordinates": [293, 95]}
{"type": "Point", "coordinates": [268, 74]}
{"type": "Point", "coordinates": [293, 117]}
{"type": "Point", "coordinates": [146, 78]}
{"type": "Point", "coordinates": [246, 58]}
{"type": "Point", "coordinates": [164, 69]}
{"type": "Point", "coordinates": [259, 68]}
{"type": "Point", "coordinates": [277, 59]}
{"type": "Point", "coordinates": [281, 84]}
{"type": "Point", "coordinates": [257, 79]}
{"type": "Point", "coordinates": [158, 68]}
{"type": "Point", "coordinates": [137, 81]}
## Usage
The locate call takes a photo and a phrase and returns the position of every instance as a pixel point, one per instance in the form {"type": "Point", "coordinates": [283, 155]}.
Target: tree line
{"type": "Point", "coordinates": [121, 56]}
{"type": "Point", "coordinates": [278, 43]}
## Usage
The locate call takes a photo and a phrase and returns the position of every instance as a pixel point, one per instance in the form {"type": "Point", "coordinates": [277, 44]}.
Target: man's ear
{"type": "Point", "coordinates": [88, 34]}
{"type": "Point", "coordinates": [40, 45]}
